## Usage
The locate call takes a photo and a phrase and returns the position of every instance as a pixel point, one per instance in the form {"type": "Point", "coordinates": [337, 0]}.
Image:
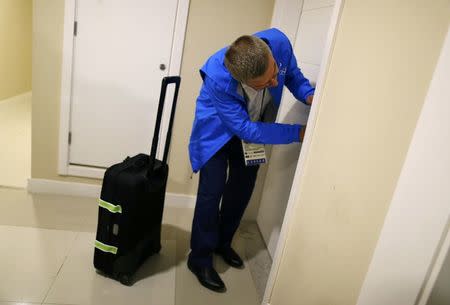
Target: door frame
{"type": "Point", "coordinates": [64, 166]}
{"type": "Point", "coordinates": [282, 12]}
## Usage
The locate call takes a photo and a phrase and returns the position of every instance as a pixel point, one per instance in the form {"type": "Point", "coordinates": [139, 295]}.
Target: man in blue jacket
{"type": "Point", "coordinates": [242, 86]}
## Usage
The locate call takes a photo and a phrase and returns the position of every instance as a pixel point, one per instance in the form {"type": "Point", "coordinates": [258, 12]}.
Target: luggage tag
{"type": "Point", "coordinates": [254, 154]}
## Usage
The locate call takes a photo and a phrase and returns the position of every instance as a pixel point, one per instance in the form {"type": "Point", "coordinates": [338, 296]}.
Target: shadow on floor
{"type": "Point", "coordinates": [156, 263]}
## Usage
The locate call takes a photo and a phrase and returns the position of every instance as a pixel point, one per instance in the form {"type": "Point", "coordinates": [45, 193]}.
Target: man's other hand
{"type": "Point", "coordinates": [309, 99]}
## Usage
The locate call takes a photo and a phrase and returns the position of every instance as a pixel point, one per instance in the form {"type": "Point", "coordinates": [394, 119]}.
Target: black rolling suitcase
{"type": "Point", "coordinates": [131, 206]}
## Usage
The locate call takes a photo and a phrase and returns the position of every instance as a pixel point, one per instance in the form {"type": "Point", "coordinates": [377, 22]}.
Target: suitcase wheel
{"type": "Point", "coordinates": [125, 279]}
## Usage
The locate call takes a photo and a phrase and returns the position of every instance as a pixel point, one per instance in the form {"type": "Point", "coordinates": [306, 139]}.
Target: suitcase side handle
{"type": "Point", "coordinates": [165, 82]}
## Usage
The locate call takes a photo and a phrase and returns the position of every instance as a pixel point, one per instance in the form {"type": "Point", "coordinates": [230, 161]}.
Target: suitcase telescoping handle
{"type": "Point", "coordinates": [165, 82]}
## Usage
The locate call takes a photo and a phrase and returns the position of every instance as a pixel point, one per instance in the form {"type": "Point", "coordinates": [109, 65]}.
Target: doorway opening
{"type": "Point", "coordinates": [15, 93]}
{"type": "Point", "coordinates": [310, 25]}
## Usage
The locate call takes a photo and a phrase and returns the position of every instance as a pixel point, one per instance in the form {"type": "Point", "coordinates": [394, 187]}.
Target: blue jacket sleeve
{"type": "Point", "coordinates": [235, 117]}
{"type": "Point", "coordinates": [296, 82]}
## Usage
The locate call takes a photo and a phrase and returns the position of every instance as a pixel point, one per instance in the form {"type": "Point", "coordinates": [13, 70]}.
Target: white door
{"type": "Point", "coordinates": [121, 52]}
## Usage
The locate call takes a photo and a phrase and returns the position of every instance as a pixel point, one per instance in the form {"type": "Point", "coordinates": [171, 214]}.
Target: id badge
{"type": "Point", "coordinates": [254, 154]}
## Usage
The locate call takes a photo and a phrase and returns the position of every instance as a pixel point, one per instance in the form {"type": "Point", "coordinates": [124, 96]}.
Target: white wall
{"type": "Point", "coordinates": [15, 135]}
{"type": "Point", "coordinates": [15, 48]}
{"type": "Point", "coordinates": [308, 38]}
{"type": "Point", "coordinates": [417, 219]}
{"type": "Point", "coordinates": [286, 15]}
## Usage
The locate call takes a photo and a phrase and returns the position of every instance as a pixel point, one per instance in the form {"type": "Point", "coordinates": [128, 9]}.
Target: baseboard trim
{"type": "Point", "coordinates": [17, 98]}
{"type": "Point", "coordinates": [45, 186]}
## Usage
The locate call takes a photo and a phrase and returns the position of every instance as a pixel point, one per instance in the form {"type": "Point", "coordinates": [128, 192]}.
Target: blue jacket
{"type": "Point", "coordinates": [221, 111]}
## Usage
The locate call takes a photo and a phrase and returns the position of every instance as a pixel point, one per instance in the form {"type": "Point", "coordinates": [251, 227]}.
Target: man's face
{"type": "Point", "coordinates": [268, 79]}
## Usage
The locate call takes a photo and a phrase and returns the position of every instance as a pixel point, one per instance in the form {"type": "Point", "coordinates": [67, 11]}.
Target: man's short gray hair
{"type": "Point", "coordinates": [247, 58]}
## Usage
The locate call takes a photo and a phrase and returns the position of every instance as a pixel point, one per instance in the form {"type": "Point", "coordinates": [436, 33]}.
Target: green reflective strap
{"type": "Point", "coordinates": [105, 248]}
{"type": "Point", "coordinates": [110, 207]}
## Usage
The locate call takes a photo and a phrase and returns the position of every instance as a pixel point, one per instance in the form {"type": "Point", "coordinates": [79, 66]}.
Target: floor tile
{"type": "Point", "coordinates": [240, 289]}
{"type": "Point", "coordinates": [30, 260]}
{"type": "Point", "coordinates": [78, 282]}
{"type": "Point", "coordinates": [42, 214]}
{"type": "Point", "coordinates": [257, 255]}
{"type": "Point", "coordinates": [46, 211]}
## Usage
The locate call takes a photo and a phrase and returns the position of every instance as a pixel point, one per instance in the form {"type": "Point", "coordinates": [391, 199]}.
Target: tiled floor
{"type": "Point", "coordinates": [47, 248]}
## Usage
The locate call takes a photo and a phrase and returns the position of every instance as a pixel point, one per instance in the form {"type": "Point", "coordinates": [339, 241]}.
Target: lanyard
{"type": "Point", "coordinates": [262, 104]}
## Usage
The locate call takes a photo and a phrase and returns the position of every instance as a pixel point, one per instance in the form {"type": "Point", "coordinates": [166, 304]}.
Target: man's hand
{"type": "Point", "coordinates": [309, 99]}
{"type": "Point", "coordinates": [302, 133]}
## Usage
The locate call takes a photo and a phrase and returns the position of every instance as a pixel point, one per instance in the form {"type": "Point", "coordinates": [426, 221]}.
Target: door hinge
{"type": "Point", "coordinates": [70, 138]}
{"type": "Point", "coordinates": [75, 28]}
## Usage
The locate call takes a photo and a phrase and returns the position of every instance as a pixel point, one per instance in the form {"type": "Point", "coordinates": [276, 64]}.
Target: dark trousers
{"type": "Point", "coordinates": [214, 224]}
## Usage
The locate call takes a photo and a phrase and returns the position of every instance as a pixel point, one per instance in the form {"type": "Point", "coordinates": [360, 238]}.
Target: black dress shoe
{"type": "Point", "coordinates": [231, 257]}
{"type": "Point", "coordinates": [208, 277]}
